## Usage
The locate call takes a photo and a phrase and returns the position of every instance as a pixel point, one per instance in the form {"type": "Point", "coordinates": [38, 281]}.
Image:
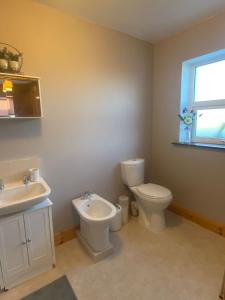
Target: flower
{"type": "Point", "coordinates": [188, 117]}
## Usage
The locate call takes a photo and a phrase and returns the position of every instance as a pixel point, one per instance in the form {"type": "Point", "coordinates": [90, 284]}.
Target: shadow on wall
{"type": "Point", "coordinates": [20, 129]}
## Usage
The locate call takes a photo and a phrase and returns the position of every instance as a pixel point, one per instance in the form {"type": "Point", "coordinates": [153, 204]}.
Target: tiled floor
{"type": "Point", "coordinates": [185, 262]}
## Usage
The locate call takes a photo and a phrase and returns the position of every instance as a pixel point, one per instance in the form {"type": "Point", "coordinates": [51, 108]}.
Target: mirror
{"type": "Point", "coordinates": [19, 96]}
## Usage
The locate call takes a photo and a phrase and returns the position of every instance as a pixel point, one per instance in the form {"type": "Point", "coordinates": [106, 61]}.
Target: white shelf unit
{"type": "Point", "coordinates": [29, 77]}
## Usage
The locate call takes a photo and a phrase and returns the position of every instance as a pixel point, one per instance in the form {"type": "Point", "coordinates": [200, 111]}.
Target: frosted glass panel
{"type": "Point", "coordinates": [211, 123]}
{"type": "Point", "coordinates": [210, 82]}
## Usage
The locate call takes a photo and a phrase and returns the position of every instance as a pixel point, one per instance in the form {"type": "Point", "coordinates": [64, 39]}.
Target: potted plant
{"type": "Point", "coordinates": [3, 59]}
{"type": "Point", "coordinates": [14, 61]}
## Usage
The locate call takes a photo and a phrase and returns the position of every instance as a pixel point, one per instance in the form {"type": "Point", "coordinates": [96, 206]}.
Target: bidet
{"type": "Point", "coordinates": [95, 216]}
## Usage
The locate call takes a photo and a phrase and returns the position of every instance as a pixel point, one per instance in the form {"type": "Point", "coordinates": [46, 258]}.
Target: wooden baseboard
{"type": "Point", "coordinates": [64, 236]}
{"type": "Point", "coordinates": [70, 233]}
{"type": "Point", "coordinates": [198, 219]}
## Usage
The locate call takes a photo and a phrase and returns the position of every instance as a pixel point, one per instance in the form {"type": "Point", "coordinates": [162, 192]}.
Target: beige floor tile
{"type": "Point", "coordinates": [185, 262]}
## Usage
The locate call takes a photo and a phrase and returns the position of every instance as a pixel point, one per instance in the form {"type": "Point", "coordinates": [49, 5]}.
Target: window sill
{"type": "Point", "coordinates": [201, 145]}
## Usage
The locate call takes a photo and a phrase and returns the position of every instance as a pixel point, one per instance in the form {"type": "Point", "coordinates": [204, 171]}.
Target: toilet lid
{"type": "Point", "coordinates": [154, 190]}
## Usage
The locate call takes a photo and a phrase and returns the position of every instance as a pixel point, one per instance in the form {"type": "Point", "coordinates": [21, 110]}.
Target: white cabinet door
{"type": "Point", "coordinates": [38, 237]}
{"type": "Point", "coordinates": [13, 248]}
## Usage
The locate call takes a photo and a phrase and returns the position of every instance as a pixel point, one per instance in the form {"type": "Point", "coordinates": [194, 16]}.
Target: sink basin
{"type": "Point", "coordinates": [19, 197]}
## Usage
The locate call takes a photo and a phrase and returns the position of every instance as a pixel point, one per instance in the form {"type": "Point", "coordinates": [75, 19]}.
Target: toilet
{"type": "Point", "coordinates": [152, 199]}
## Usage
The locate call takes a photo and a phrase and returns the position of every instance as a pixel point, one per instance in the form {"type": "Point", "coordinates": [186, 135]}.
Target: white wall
{"type": "Point", "coordinates": [96, 90]}
{"type": "Point", "coordinates": [196, 176]}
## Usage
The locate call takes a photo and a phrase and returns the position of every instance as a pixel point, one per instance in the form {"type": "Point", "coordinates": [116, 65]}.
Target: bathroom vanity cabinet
{"type": "Point", "coordinates": [26, 244]}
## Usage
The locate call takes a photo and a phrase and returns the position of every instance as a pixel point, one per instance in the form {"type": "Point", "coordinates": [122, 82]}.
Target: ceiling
{"type": "Point", "coordinates": [150, 20]}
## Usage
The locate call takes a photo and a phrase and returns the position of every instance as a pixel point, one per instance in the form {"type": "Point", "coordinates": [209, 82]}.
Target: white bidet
{"type": "Point", "coordinates": [95, 216]}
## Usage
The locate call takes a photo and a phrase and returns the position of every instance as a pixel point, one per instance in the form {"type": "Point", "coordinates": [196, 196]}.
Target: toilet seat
{"type": "Point", "coordinates": [154, 192]}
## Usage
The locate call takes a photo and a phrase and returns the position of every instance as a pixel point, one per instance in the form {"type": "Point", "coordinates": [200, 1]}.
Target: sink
{"type": "Point", "coordinates": [17, 197]}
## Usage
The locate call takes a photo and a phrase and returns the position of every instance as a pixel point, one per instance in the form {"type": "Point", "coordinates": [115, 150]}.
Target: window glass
{"type": "Point", "coordinates": [210, 82]}
{"type": "Point", "coordinates": [210, 123]}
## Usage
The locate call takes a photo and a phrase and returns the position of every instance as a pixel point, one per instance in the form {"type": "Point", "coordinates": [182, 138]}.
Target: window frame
{"type": "Point", "coordinates": [188, 94]}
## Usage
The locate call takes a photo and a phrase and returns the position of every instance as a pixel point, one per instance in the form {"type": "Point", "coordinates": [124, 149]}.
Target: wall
{"type": "Point", "coordinates": [96, 92]}
{"type": "Point", "coordinates": [195, 176]}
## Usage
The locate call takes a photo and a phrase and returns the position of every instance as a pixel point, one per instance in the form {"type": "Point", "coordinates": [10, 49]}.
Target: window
{"type": "Point", "coordinates": [203, 91]}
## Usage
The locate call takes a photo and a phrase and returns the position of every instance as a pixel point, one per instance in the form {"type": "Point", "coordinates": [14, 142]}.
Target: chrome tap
{"type": "Point", "coordinates": [2, 185]}
{"type": "Point", "coordinates": [26, 179]}
{"type": "Point", "coordinates": [86, 196]}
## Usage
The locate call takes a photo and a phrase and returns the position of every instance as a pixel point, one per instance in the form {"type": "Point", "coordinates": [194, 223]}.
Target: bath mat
{"type": "Point", "coordinates": [59, 289]}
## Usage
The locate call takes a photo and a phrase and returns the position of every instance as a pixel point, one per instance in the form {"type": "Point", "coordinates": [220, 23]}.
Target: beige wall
{"type": "Point", "coordinates": [96, 90]}
{"type": "Point", "coordinates": [196, 176]}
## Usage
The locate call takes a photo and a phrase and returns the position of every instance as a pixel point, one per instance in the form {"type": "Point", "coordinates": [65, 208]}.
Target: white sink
{"type": "Point", "coordinates": [17, 197]}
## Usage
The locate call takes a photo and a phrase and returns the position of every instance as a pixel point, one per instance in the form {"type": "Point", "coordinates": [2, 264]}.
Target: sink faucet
{"type": "Point", "coordinates": [26, 179]}
{"type": "Point", "coordinates": [2, 185]}
{"type": "Point", "coordinates": [86, 196]}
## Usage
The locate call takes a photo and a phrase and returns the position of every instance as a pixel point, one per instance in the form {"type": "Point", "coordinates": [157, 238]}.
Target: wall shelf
{"type": "Point", "coordinates": [20, 97]}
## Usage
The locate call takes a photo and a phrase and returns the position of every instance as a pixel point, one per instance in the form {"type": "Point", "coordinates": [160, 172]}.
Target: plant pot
{"type": "Point", "coordinates": [14, 65]}
{"type": "Point", "coordinates": [3, 64]}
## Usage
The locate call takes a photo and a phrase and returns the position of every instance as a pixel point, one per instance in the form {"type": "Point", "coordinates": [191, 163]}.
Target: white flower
{"type": "Point", "coordinates": [188, 119]}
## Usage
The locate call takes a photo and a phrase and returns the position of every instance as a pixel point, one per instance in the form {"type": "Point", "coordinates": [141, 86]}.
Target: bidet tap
{"type": "Point", "coordinates": [2, 185]}
{"type": "Point", "coordinates": [86, 196]}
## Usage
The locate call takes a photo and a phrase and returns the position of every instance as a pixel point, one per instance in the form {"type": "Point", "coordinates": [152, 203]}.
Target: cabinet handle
{"type": "Point", "coordinates": [28, 241]}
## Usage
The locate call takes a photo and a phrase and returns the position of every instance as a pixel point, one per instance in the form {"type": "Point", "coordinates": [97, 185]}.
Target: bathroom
{"type": "Point", "coordinates": [110, 94]}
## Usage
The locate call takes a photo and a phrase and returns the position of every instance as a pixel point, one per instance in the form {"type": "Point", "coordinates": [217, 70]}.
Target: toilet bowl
{"type": "Point", "coordinates": [152, 199]}
{"type": "Point", "coordinates": [95, 214]}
